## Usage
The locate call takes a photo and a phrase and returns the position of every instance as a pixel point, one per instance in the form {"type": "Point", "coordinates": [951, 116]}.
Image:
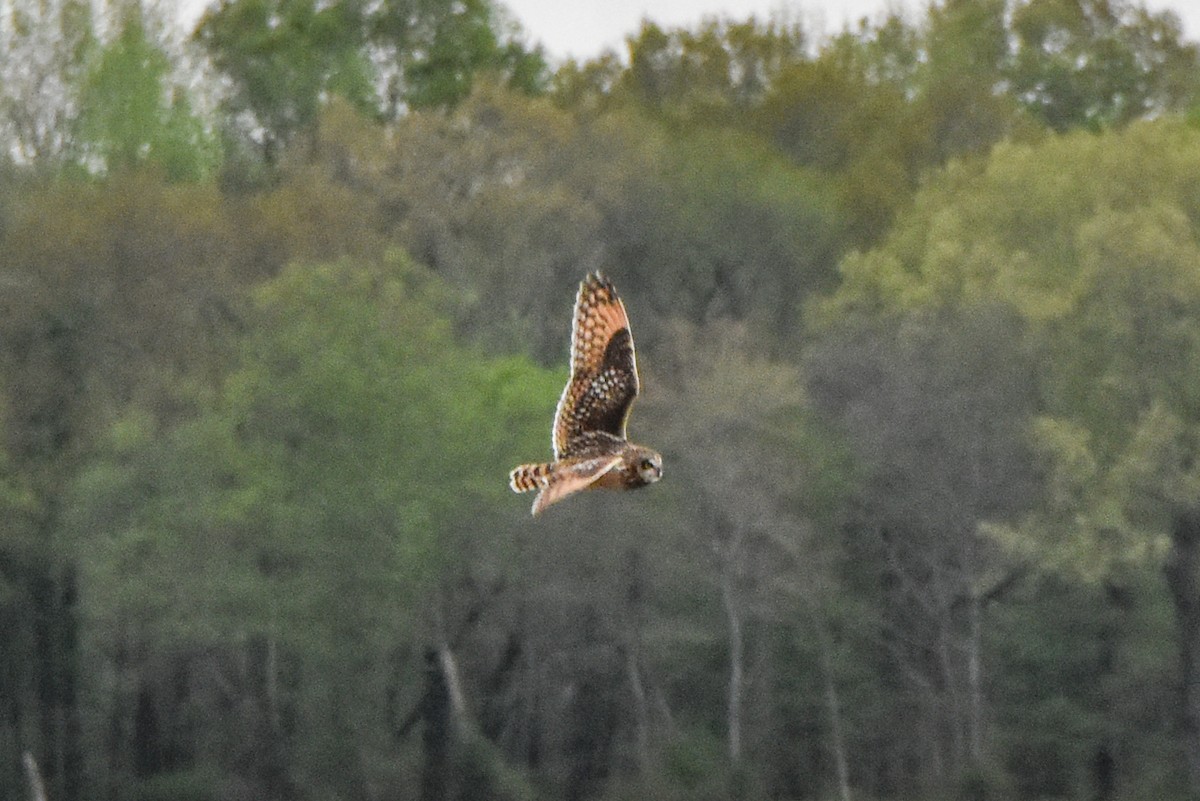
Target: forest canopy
{"type": "Point", "coordinates": [285, 296]}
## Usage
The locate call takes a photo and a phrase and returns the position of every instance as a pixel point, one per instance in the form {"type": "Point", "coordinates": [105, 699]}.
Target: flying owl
{"type": "Point", "coordinates": [590, 448]}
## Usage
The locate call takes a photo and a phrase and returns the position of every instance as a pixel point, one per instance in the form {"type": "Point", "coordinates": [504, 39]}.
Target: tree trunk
{"type": "Point", "coordinates": [837, 739]}
{"type": "Point", "coordinates": [37, 788]}
{"type": "Point", "coordinates": [737, 649]}
{"type": "Point", "coordinates": [1182, 570]}
{"type": "Point", "coordinates": [641, 711]}
{"type": "Point", "coordinates": [266, 759]}
{"type": "Point", "coordinates": [454, 689]}
{"type": "Point", "coordinates": [436, 741]}
{"type": "Point", "coordinates": [56, 632]}
{"type": "Point", "coordinates": [593, 725]}
{"type": "Point", "coordinates": [975, 733]}
{"type": "Point", "coordinates": [633, 649]}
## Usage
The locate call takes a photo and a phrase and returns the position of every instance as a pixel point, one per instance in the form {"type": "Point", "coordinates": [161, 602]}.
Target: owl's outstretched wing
{"type": "Point", "coordinates": [572, 475]}
{"type": "Point", "coordinates": [604, 379]}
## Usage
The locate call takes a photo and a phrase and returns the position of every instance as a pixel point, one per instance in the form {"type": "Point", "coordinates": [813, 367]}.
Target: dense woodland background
{"type": "Point", "coordinates": [282, 299]}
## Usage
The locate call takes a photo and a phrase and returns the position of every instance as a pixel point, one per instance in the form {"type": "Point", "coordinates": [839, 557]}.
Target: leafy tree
{"type": "Point", "coordinates": [442, 56]}
{"type": "Point", "coordinates": [886, 52]}
{"type": "Point", "coordinates": [510, 186]}
{"type": "Point", "coordinates": [935, 406]}
{"type": "Point", "coordinates": [117, 292]}
{"type": "Point", "coordinates": [726, 229]}
{"type": "Point", "coordinates": [951, 65]}
{"type": "Point", "coordinates": [765, 487]}
{"type": "Point", "coordinates": [1101, 272]}
{"type": "Point", "coordinates": [486, 196]}
{"type": "Point", "coordinates": [1092, 63]}
{"type": "Point", "coordinates": [868, 137]}
{"type": "Point", "coordinates": [294, 523]}
{"type": "Point", "coordinates": [962, 83]}
{"type": "Point", "coordinates": [45, 50]}
{"type": "Point", "coordinates": [284, 57]}
{"type": "Point", "coordinates": [710, 74]}
{"type": "Point", "coordinates": [587, 88]}
{"type": "Point", "coordinates": [128, 116]}
{"type": "Point", "coordinates": [114, 291]}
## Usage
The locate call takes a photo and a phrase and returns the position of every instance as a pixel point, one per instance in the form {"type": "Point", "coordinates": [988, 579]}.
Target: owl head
{"type": "Point", "coordinates": [647, 465]}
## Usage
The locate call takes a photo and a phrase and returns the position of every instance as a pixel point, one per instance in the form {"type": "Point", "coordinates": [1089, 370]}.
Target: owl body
{"type": "Point", "coordinates": [591, 450]}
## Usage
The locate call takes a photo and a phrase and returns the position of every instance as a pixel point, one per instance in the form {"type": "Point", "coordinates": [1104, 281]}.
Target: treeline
{"type": "Point", "coordinates": [285, 297]}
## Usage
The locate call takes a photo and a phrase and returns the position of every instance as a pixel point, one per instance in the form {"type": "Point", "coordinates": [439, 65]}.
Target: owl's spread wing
{"type": "Point", "coordinates": [571, 476]}
{"type": "Point", "coordinates": [604, 379]}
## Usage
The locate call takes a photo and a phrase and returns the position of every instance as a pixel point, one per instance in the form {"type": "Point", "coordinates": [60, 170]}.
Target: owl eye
{"type": "Point", "coordinates": [647, 464]}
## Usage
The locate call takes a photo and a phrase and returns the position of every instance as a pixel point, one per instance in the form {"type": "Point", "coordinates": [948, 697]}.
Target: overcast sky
{"type": "Point", "coordinates": [583, 28]}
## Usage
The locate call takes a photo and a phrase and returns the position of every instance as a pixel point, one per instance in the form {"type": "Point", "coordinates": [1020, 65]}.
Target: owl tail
{"type": "Point", "coordinates": [529, 477]}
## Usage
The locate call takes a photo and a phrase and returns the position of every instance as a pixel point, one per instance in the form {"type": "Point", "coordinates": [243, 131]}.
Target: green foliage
{"type": "Point", "coordinates": [284, 55]}
{"type": "Point", "coordinates": [306, 504]}
{"type": "Point", "coordinates": [744, 215]}
{"type": "Point", "coordinates": [1038, 251]}
{"type": "Point", "coordinates": [255, 539]}
{"type": "Point", "coordinates": [507, 185]}
{"type": "Point", "coordinates": [967, 43]}
{"type": "Point", "coordinates": [287, 58]}
{"type": "Point", "coordinates": [1081, 63]}
{"type": "Point", "coordinates": [130, 117]}
{"type": "Point", "coordinates": [1103, 275]}
{"type": "Point", "coordinates": [826, 115]}
{"type": "Point", "coordinates": [463, 42]}
{"type": "Point", "coordinates": [349, 426]}
{"type": "Point", "coordinates": [712, 73]}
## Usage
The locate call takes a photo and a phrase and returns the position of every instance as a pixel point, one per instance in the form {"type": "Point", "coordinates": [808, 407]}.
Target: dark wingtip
{"type": "Point", "coordinates": [599, 280]}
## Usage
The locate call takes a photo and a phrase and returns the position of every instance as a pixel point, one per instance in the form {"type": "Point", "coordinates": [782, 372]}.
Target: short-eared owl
{"type": "Point", "coordinates": [590, 448]}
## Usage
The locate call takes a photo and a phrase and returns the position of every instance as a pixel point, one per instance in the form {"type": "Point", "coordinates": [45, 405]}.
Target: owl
{"type": "Point", "coordinates": [590, 448]}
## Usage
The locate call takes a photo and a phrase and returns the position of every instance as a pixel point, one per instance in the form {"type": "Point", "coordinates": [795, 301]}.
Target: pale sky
{"type": "Point", "coordinates": [583, 28]}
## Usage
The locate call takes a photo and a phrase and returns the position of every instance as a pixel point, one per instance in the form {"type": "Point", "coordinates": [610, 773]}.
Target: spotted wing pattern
{"type": "Point", "coordinates": [604, 379]}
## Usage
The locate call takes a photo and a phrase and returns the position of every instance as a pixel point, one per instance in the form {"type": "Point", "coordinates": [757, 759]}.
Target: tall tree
{"type": "Point", "coordinates": [765, 485]}
{"type": "Point", "coordinates": [1101, 272]}
{"type": "Point", "coordinates": [284, 57]}
{"type": "Point", "coordinates": [45, 50]}
{"type": "Point", "coordinates": [435, 53]}
{"type": "Point", "coordinates": [281, 538]}
{"type": "Point", "coordinates": [1091, 63]}
{"type": "Point", "coordinates": [130, 116]}
{"type": "Point", "coordinates": [712, 73]}
{"type": "Point", "coordinates": [935, 407]}
{"type": "Point", "coordinates": [111, 295]}
{"type": "Point", "coordinates": [962, 84]}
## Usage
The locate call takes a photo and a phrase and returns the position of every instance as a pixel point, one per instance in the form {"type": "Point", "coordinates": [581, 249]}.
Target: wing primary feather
{"type": "Point", "coordinates": [603, 380]}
